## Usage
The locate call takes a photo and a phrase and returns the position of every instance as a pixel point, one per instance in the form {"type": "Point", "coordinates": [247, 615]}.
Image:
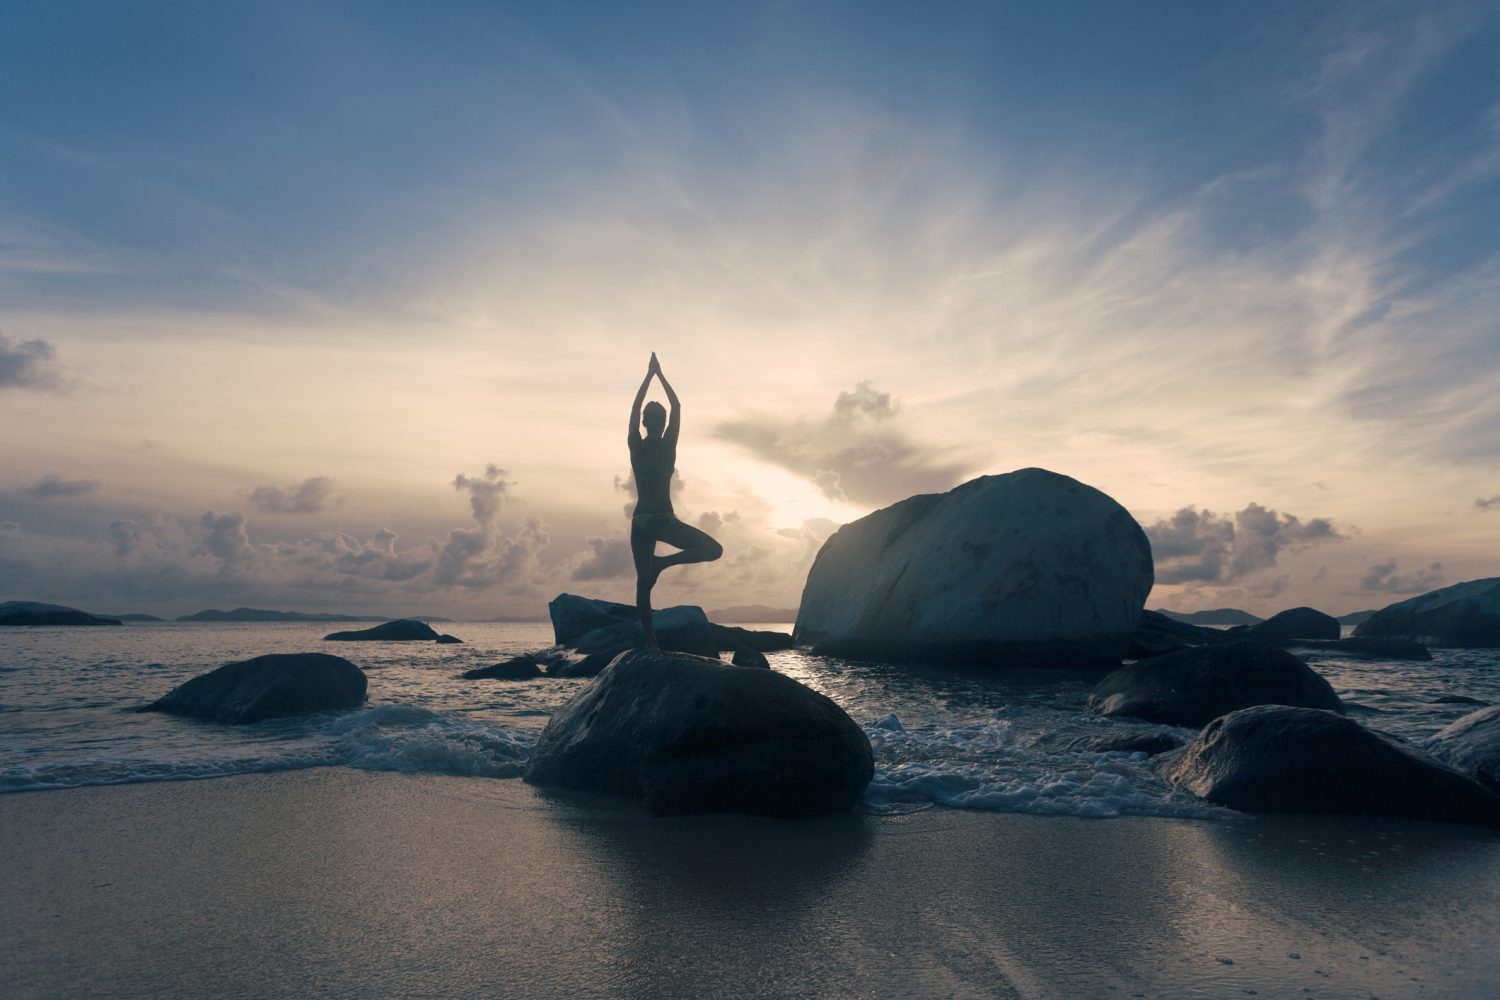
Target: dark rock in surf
{"type": "Point", "coordinates": [267, 687]}
{"type": "Point", "coordinates": [517, 668]}
{"type": "Point", "coordinates": [1294, 623]}
{"type": "Point", "coordinates": [401, 630]}
{"type": "Point", "coordinates": [1192, 686]}
{"type": "Point", "coordinates": [1463, 616]}
{"type": "Point", "coordinates": [1028, 568]}
{"type": "Point", "coordinates": [1277, 759]}
{"type": "Point", "coordinates": [1472, 744]}
{"type": "Point", "coordinates": [447, 640]}
{"type": "Point", "coordinates": [687, 734]}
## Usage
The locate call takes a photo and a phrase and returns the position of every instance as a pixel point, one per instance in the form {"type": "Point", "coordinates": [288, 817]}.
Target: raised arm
{"type": "Point", "coordinates": [674, 419]}
{"type": "Point", "coordinates": [634, 434]}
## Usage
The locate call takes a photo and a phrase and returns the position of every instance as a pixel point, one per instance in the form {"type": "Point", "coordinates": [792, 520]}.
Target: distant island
{"type": "Point", "coordinates": [34, 614]}
{"type": "Point", "coordinates": [263, 615]}
{"type": "Point", "coordinates": [1218, 616]}
{"type": "Point", "coordinates": [751, 613]}
{"type": "Point", "coordinates": [1357, 617]}
{"type": "Point", "coordinates": [136, 617]}
{"type": "Point", "coordinates": [519, 618]}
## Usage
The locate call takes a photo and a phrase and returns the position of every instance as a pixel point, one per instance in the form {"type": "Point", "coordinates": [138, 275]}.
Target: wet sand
{"type": "Point", "coordinates": [334, 882]}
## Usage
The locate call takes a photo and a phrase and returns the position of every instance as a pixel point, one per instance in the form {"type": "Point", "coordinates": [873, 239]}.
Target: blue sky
{"type": "Point", "coordinates": [1225, 257]}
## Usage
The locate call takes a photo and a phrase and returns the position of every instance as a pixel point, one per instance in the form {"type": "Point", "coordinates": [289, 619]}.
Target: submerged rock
{"type": "Point", "coordinates": [1028, 568]}
{"type": "Point", "coordinates": [1294, 623]}
{"type": "Point", "coordinates": [1149, 743]}
{"type": "Point", "coordinates": [1463, 616]}
{"type": "Point", "coordinates": [1192, 686]}
{"type": "Point", "coordinates": [35, 615]}
{"type": "Point", "coordinates": [401, 630]}
{"type": "Point", "coordinates": [1369, 649]}
{"type": "Point", "coordinates": [517, 668]}
{"type": "Point", "coordinates": [687, 734]}
{"type": "Point", "coordinates": [267, 687]}
{"type": "Point", "coordinates": [1472, 744]}
{"type": "Point", "coordinates": [1277, 759]}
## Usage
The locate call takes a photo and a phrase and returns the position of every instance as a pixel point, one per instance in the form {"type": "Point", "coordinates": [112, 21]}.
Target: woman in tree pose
{"type": "Point", "coordinates": [652, 458]}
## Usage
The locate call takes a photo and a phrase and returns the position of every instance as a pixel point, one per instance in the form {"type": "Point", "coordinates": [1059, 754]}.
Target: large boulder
{"type": "Point", "coordinates": [1192, 686]}
{"type": "Point", "coordinates": [400, 630]}
{"type": "Point", "coordinates": [1289, 625]}
{"type": "Point", "coordinates": [687, 734]}
{"type": "Point", "coordinates": [1277, 759]}
{"type": "Point", "coordinates": [35, 614]}
{"type": "Point", "coordinates": [1463, 616]}
{"type": "Point", "coordinates": [617, 628]}
{"type": "Point", "coordinates": [574, 617]}
{"type": "Point", "coordinates": [267, 687]}
{"type": "Point", "coordinates": [1472, 744]}
{"type": "Point", "coordinates": [1029, 567]}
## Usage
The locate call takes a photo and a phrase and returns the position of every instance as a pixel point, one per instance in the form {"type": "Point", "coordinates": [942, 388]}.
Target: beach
{"type": "Point", "coordinates": [339, 882]}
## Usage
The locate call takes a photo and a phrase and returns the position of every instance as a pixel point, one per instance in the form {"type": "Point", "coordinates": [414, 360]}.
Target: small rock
{"type": "Point", "coordinates": [747, 657]}
{"type": "Point", "coordinates": [267, 687]}
{"type": "Point", "coordinates": [517, 668]}
{"type": "Point", "coordinates": [400, 630]}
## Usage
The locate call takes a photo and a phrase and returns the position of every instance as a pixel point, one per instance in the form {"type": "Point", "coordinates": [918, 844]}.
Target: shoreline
{"type": "Point", "coordinates": [358, 883]}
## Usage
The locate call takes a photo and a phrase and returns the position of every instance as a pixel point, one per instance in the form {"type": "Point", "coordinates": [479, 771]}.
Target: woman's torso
{"type": "Point", "coordinates": [652, 460]}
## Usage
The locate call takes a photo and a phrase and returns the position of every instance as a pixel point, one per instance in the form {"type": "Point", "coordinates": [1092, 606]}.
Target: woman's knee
{"type": "Point", "coordinates": [712, 550]}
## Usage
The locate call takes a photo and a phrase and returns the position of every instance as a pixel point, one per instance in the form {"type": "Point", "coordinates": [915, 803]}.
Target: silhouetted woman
{"type": "Point", "coordinates": [652, 458]}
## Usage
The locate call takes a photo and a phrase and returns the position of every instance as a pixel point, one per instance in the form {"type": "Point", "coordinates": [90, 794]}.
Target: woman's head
{"type": "Point", "coordinates": [654, 418]}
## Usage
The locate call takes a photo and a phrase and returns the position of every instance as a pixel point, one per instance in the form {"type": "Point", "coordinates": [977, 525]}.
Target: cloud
{"type": "Point", "coordinates": [609, 558]}
{"type": "Point", "coordinates": [28, 364]}
{"type": "Point", "coordinates": [856, 453]}
{"type": "Point", "coordinates": [1196, 546]}
{"type": "Point", "coordinates": [1488, 503]}
{"type": "Point", "coordinates": [1383, 576]}
{"type": "Point", "coordinates": [863, 402]}
{"type": "Point", "coordinates": [224, 536]}
{"type": "Point", "coordinates": [50, 487]}
{"type": "Point", "coordinates": [307, 497]}
{"type": "Point", "coordinates": [483, 556]}
{"type": "Point", "coordinates": [485, 492]}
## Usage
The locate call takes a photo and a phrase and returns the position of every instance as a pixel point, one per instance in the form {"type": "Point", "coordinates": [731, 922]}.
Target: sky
{"type": "Point", "coordinates": [341, 306]}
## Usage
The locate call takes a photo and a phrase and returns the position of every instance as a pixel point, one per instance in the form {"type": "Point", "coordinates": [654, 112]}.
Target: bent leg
{"type": "Point", "coordinates": [697, 546]}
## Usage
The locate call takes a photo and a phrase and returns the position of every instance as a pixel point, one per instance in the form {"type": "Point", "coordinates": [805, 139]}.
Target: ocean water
{"type": "Point", "coordinates": [943, 738]}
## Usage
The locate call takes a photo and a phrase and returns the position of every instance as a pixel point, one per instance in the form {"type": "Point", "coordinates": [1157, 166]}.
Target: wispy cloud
{"type": "Point", "coordinates": [307, 497]}
{"type": "Point", "coordinates": [50, 487]}
{"type": "Point", "coordinates": [1383, 576]}
{"type": "Point", "coordinates": [28, 364]}
{"type": "Point", "coordinates": [857, 452]}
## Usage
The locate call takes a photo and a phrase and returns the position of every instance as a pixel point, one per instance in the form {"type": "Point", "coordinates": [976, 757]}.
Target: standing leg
{"type": "Point", "coordinates": [643, 549]}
